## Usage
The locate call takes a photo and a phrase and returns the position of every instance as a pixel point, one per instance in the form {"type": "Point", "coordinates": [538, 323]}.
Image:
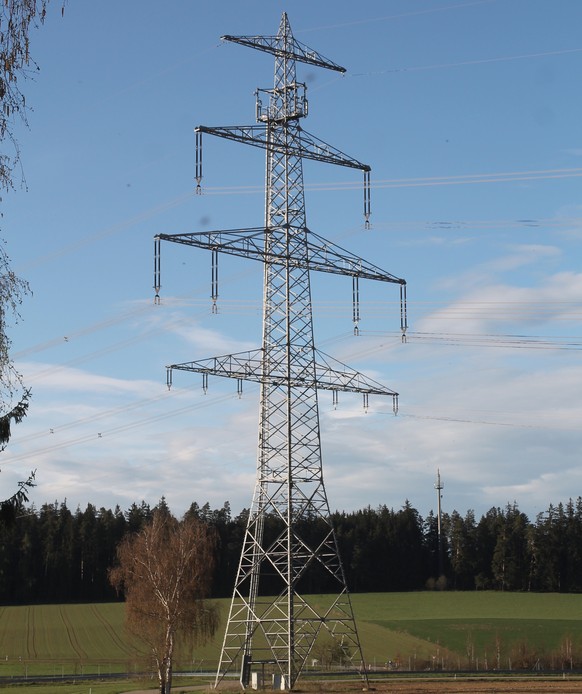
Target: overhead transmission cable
{"type": "Point", "coordinates": [464, 63]}
{"type": "Point", "coordinates": [426, 181]}
{"type": "Point", "coordinates": [496, 177]}
{"type": "Point", "coordinates": [107, 433]}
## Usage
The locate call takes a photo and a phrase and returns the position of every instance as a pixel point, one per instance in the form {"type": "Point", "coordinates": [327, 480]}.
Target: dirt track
{"type": "Point", "coordinates": [450, 686]}
{"type": "Point", "coordinates": [459, 687]}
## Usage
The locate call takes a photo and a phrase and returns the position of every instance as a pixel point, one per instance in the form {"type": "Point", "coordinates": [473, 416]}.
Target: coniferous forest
{"type": "Point", "coordinates": [55, 555]}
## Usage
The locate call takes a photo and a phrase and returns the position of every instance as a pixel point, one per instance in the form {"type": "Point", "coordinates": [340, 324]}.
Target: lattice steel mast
{"type": "Point", "coordinates": [289, 532]}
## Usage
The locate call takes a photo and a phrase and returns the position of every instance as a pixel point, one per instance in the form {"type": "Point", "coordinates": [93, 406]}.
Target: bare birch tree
{"type": "Point", "coordinates": [165, 572]}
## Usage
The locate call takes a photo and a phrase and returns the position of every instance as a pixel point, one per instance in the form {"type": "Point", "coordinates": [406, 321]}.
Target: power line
{"type": "Point", "coordinates": [114, 431]}
{"type": "Point", "coordinates": [504, 341]}
{"type": "Point", "coordinates": [550, 311]}
{"type": "Point", "coordinates": [463, 63]}
{"type": "Point", "coordinates": [414, 13]}
{"type": "Point", "coordinates": [484, 422]}
{"type": "Point", "coordinates": [96, 416]}
{"type": "Point", "coordinates": [418, 182]}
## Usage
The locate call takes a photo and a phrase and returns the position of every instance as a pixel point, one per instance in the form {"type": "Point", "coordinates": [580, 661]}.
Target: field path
{"type": "Point", "coordinates": [115, 638]}
{"type": "Point", "coordinates": [30, 633]}
{"type": "Point", "coordinates": [71, 636]}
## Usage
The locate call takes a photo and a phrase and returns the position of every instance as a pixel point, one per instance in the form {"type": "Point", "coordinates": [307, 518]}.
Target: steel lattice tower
{"type": "Point", "coordinates": [289, 532]}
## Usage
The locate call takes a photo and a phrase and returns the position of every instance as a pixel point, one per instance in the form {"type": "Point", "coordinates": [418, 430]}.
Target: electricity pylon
{"type": "Point", "coordinates": [289, 532]}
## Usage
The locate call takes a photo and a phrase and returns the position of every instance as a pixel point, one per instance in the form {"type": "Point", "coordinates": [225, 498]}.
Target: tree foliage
{"type": "Point", "coordinates": [9, 507]}
{"type": "Point", "coordinates": [13, 289]}
{"type": "Point", "coordinates": [53, 554]}
{"type": "Point", "coordinates": [165, 572]}
{"type": "Point", "coordinates": [14, 398]}
{"type": "Point", "coordinates": [17, 17]}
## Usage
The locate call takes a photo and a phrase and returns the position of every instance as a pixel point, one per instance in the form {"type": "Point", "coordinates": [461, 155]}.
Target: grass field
{"type": "Point", "coordinates": [419, 631]}
{"type": "Point", "coordinates": [476, 630]}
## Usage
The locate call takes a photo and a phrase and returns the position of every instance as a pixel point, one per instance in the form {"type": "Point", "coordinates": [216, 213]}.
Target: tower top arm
{"type": "Point", "coordinates": [285, 45]}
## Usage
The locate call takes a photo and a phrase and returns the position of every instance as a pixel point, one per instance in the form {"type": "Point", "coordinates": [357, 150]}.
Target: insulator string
{"type": "Point", "coordinates": [157, 269]}
{"type": "Point", "coordinates": [356, 303]}
{"type": "Point", "coordinates": [214, 290]}
{"type": "Point", "coordinates": [367, 200]}
{"type": "Point", "coordinates": [198, 161]}
{"type": "Point", "coordinates": [403, 312]}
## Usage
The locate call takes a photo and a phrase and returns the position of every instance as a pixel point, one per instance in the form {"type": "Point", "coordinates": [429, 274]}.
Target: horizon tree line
{"type": "Point", "coordinates": [52, 554]}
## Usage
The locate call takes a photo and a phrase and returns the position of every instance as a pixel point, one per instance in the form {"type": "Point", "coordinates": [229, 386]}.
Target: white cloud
{"type": "Point", "coordinates": [56, 378]}
{"type": "Point", "coordinates": [200, 340]}
{"type": "Point", "coordinates": [501, 305]}
{"type": "Point", "coordinates": [117, 447]}
{"type": "Point", "coordinates": [521, 255]}
{"type": "Point", "coordinates": [481, 274]}
{"type": "Point", "coordinates": [493, 419]}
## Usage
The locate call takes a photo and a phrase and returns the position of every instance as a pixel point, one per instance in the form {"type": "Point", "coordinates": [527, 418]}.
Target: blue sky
{"type": "Point", "coordinates": [469, 114]}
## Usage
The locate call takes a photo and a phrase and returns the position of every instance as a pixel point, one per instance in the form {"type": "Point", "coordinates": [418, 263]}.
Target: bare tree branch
{"type": "Point", "coordinates": [165, 571]}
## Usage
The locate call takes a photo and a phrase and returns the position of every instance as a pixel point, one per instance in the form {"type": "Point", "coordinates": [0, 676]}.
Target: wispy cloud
{"type": "Point", "coordinates": [556, 298]}
{"type": "Point", "coordinates": [66, 379]}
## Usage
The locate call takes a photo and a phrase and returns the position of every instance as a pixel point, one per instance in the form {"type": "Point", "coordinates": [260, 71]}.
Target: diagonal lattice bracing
{"type": "Point", "coordinates": [289, 539]}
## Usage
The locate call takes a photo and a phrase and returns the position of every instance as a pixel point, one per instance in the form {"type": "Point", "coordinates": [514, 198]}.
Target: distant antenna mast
{"type": "Point", "coordinates": [439, 486]}
{"type": "Point", "coordinates": [289, 531]}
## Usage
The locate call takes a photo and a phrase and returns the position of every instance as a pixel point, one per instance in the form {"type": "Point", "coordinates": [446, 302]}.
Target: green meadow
{"type": "Point", "coordinates": [417, 631]}
{"type": "Point", "coordinates": [472, 630]}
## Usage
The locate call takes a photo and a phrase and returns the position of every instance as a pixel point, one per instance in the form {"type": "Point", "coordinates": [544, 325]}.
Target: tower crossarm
{"type": "Point", "coordinates": [242, 365]}
{"type": "Point", "coordinates": [330, 374]}
{"type": "Point", "coordinates": [322, 255]}
{"type": "Point", "coordinates": [305, 145]}
{"type": "Point", "coordinates": [288, 49]}
{"type": "Point", "coordinates": [326, 256]}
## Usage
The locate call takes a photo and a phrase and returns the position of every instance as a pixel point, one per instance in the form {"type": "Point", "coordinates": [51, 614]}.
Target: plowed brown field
{"type": "Point", "coordinates": [423, 686]}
